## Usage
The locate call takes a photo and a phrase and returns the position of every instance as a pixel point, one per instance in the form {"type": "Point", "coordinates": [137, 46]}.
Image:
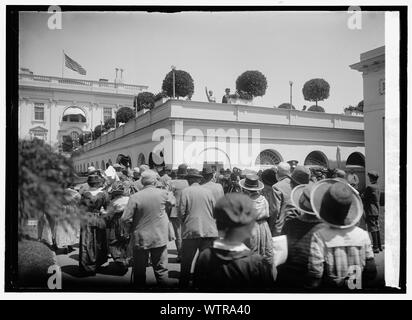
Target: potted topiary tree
{"type": "Point", "coordinates": [316, 90]}
{"type": "Point", "coordinates": [287, 105]}
{"type": "Point", "coordinates": [160, 98]}
{"type": "Point", "coordinates": [184, 86]}
{"type": "Point", "coordinates": [249, 84]}
{"type": "Point", "coordinates": [143, 102]}
{"type": "Point", "coordinates": [316, 108]}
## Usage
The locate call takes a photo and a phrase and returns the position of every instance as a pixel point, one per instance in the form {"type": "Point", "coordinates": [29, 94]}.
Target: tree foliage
{"type": "Point", "coordinates": [316, 108]}
{"type": "Point", "coordinates": [252, 82]}
{"type": "Point", "coordinates": [98, 130]}
{"type": "Point", "coordinates": [286, 105]}
{"type": "Point", "coordinates": [316, 90]}
{"type": "Point", "coordinates": [144, 100]}
{"type": "Point", "coordinates": [67, 144]}
{"type": "Point", "coordinates": [360, 106]}
{"type": "Point", "coordinates": [160, 95]}
{"type": "Point", "coordinates": [184, 85]}
{"type": "Point", "coordinates": [109, 123]}
{"type": "Point", "coordinates": [43, 177]}
{"type": "Point", "coordinates": [125, 114]}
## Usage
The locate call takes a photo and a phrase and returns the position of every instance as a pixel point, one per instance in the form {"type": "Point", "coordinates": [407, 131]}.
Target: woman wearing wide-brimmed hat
{"type": "Point", "coordinates": [298, 231]}
{"type": "Point", "coordinates": [261, 240]}
{"type": "Point", "coordinates": [339, 250]}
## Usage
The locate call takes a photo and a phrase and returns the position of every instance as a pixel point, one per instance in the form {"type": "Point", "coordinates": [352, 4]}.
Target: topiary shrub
{"type": "Point", "coordinates": [316, 108]}
{"type": "Point", "coordinates": [252, 83]}
{"type": "Point", "coordinates": [286, 105]}
{"type": "Point", "coordinates": [160, 96]}
{"type": "Point", "coordinates": [144, 100]}
{"type": "Point", "coordinates": [184, 85]}
{"type": "Point", "coordinates": [316, 90]}
{"type": "Point", "coordinates": [125, 114]}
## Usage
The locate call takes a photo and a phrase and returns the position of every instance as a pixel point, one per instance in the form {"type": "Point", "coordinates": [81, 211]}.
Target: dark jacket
{"type": "Point", "coordinates": [281, 192]}
{"type": "Point", "coordinates": [371, 198]}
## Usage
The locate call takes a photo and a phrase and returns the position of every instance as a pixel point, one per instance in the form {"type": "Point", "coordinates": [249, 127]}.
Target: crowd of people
{"type": "Point", "coordinates": [224, 224]}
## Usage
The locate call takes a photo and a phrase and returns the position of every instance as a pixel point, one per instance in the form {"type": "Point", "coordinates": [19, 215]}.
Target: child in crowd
{"type": "Point", "coordinates": [229, 263]}
{"type": "Point", "coordinates": [340, 253]}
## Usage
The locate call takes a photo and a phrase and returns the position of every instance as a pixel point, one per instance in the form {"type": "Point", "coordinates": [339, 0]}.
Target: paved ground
{"type": "Point", "coordinates": [109, 277]}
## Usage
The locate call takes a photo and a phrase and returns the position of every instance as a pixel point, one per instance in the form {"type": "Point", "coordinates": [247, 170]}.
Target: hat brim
{"type": "Point", "coordinates": [295, 196]}
{"type": "Point", "coordinates": [355, 211]}
{"type": "Point", "coordinates": [194, 176]}
{"type": "Point", "coordinates": [260, 187]}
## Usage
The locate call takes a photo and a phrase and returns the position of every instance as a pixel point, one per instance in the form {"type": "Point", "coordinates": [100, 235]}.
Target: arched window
{"type": "Point", "coordinates": [268, 157]}
{"type": "Point", "coordinates": [74, 114]}
{"type": "Point", "coordinates": [356, 159]}
{"type": "Point", "coordinates": [316, 158]}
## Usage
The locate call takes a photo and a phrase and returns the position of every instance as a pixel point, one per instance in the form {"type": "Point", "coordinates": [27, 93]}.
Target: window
{"type": "Point", "coordinates": [107, 114]}
{"type": "Point", "coordinates": [39, 135]}
{"type": "Point", "coordinates": [39, 111]}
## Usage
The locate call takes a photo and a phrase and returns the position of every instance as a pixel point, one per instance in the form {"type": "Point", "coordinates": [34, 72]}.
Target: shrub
{"type": "Point", "coordinates": [98, 130]}
{"type": "Point", "coordinates": [253, 83]}
{"type": "Point", "coordinates": [124, 114]}
{"type": "Point", "coordinates": [144, 100]}
{"type": "Point", "coordinates": [316, 108]}
{"type": "Point", "coordinates": [286, 105]}
{"type": "Point", "coordinates": [184, 85]}
{"type": "Point", "coordinates": [160, 95]}
{"type": "Point", "coordinates": [316, 90]}
{"type": "Point", "coordinates": [43, 177]}
{"type": "Point", "coordinates": [108, 124]}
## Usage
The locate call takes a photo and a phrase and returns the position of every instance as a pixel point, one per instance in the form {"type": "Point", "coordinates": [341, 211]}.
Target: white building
{"type": "Point", "coordinates": [372, 66]}
{"type": "Point", "coordinates": [51, 108]}
{"type": "Point", "coordinates": [229, 135]}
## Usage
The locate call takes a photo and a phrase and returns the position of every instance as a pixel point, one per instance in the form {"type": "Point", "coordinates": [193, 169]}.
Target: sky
{"type": "Point", "coordinates": [214, 47]}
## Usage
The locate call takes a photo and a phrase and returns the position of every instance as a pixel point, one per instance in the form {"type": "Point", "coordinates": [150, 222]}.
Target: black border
{"type": "Point", "coordinates": [12, 53]}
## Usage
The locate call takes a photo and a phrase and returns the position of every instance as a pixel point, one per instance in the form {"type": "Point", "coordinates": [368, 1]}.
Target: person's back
{"type": "Point", "coordinates": [335, 254]}
{"type": "Point", "coordinates": [281, 191]}
{"type": "Point", "coordinates": [149, 220]}
{"type": "Point", "coordinates": [196, 211]}
{"type": "Point", "coordinates": [371, 200]}
{"type": "Point", "coordinates": [218, 268]}
{"type": "Point", "coordinates": [215, 188]}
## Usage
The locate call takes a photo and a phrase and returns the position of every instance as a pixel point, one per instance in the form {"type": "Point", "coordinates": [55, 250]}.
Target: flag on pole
{"type": "Point", "coordinates": [73, 65]}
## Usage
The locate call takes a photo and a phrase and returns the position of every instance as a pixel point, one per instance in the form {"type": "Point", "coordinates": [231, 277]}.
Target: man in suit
{"type": "Point", "coordinates": [177, 186]}
{"type": "Point", "coordinates": [198, 223]}
{"type": "Point", "coordinates": [215, 188]}
{"type": "Point", "coordinates": [145, 214]}
{"type": "Point", "coordinates": [225, 98]}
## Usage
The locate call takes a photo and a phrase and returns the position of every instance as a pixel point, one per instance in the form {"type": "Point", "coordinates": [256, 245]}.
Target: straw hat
{"type": "Point", "coordinates": [335, 202]}
{"type": "Point", "coordinates": [193, 173]}
{"type": "Point", "coordinates": [251, 182]}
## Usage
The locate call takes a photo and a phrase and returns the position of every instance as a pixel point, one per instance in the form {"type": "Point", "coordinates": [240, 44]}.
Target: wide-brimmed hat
{"type": "Point", "coordinates": [251, 182]}
{"type": "Point", "coordinates": [301, 175]}
{"type": "Point", "coordinates": [193, 173]}
{"type": "Point", "coordinates": [337, 203]}
{"type": "Point", "coordinates": [182, 170]}
{"type": "Point", "coordinates": [269, 177]}
{"type": "Point", "coordinates": [300, 198]}
{"type": "Point", "coordinates": [234, 209]}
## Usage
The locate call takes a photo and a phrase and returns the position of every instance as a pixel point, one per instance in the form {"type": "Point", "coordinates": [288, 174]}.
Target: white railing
{"type": "Point", "coordinates": [81, 82]}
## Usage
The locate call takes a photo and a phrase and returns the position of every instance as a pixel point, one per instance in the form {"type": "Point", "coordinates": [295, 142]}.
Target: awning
{"type": "Point", "coordinates": [74, 110]}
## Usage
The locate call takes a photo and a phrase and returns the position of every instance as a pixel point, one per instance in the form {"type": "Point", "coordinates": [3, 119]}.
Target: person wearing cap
{"type": "Point", "coordinates": [339, 250]}
{"type": "Point", "coordinates": [198, 223]}
{"type": "Point", "coordinates": [282, 191]}
{"type": "Point", "coordinates": [299, 233]}
{"type": "Point", "coordinates": [117, 237]}
{"type": "Point", "coordinates": [93, 249]}
{"type": "Point", "coordinates": [215, 188]}
{"type": "Point", "coordinates": [225, 98]}
{"type": "Point", "coordinates": [145, 215]}
{"type": "Point", "coordinates": [370, 198]}
{"type": "Point", "coordinates": [229, 263]}
{"type": "Point", "coordinates": [261, 240]}
{"type": "Point", "coordinates": [293, 164]}
{"type": "Point", "coordinates": [176, 186]}
{"type": "Point", "coordinates": [269, 179]}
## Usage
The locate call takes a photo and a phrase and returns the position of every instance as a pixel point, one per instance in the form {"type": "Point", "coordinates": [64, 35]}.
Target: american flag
{"type": "Point", "coordinates": [71, 64]}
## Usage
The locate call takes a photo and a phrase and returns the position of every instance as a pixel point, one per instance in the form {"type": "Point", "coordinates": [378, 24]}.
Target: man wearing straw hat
{"type": "Point", "coordinates": [340, 251]}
